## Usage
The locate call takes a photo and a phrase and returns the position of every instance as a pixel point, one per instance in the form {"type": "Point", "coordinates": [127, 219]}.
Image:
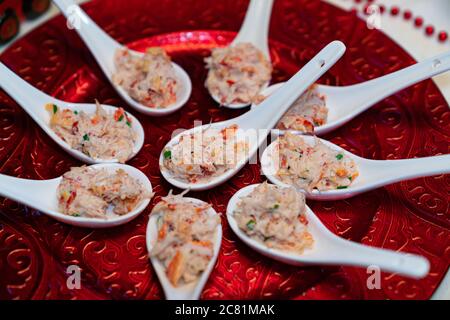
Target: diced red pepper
{"type": "Point", "coordinates": [231, 82]}
{"type": "Point", "coordinates": [95, 120]}
{"type": "Point", "coordinates": [119, 113]}
{"type": "Point", "coordinates": [72, 196]}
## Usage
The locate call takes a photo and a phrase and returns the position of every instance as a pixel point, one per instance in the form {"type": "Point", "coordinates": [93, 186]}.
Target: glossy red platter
{"type": "Point", "coordinates": [412, 216]}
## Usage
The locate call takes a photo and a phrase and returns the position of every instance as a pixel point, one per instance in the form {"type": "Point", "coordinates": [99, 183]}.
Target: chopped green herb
{"type": "Point", "coordinates": [55, 108]}
{"type": "Point", "coordinates": [76, 215]}
{"type": "Point", "coordinates": [275, 207]}
{"type": "Point", "coordinates": [267, 238]}
{"type": "Point", "coordinates": [251, 224]}
{"type": "Point", "coordinates": [339, 156]}
{"type": "Point", "coordinates": [128, 123]}
{"type": "Point", "coordinates": [121, 118]}
{"type": "Point", "coordinates": [167, 154]}
{"type": "Point", "coordinates": [86, 137]}
{"type": "Point", "coordinates": [341, 187]}
{"type": "Point", "coordinates": [76, 112]}
{"type": "Point", "coordinates": [350, 178]}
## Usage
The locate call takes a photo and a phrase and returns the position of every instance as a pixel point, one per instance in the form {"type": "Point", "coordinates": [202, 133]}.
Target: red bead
{"type": "Point", "coordinates": [370, 1]}
{"type": "Point", "coordinates": [382, 8]}
{"type": "Point", "coordinates": [407, 15]}
{"type": "Point", "coordinates": [366, 9]}
{"type": "Point", "coordinates": [358, 1]}
{"type": "Point", "coordinates": [395, 11]}
{"type": "Point", "coordinates": [443, 36]}
{"type": "Point", "coordinates": [429, 30]}
{"type": "Point", "coordinates": [418, 21]}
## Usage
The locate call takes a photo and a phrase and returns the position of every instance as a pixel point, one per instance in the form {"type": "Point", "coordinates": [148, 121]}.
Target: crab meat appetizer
{"type": "Point", "coordinates": [100, 136]}
{"type": "Point", "coordinates": [204, 154]}
{"type": "Point", "coordinates": [275, 216]}
{"type": "Point", "coordinates": [237, 73]}
{"type": "Point", "coordinates": [313, 167]}
{"type": "Point", "coordinates": [149, 79]}
{"type": "Point", "coordinates": [185, 241]}
{"type": "Point", "coordinates": [98, 193]}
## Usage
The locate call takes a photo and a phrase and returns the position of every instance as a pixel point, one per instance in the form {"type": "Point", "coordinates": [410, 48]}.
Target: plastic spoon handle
{"type": "Point", "coordinates": [101, 45]}
{"type": "Point", "coordinates": [391, 171]}
{"type": "Point", "coordinates": [370, 92]}
{"type": "Point", "coordinates": [28, 97]}
{"type": "Point", "coordinates": [273, 108]}
{"type": "Point", "coordinates": [255, 28]}
{"type": "Point", "coordinates": [351, 253]}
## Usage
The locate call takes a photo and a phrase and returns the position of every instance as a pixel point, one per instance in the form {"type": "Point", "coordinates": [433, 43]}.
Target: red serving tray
{"type": "Point", "coordinates": [412, 216]}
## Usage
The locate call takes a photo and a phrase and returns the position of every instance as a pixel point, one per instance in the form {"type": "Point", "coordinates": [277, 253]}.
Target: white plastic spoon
{"type": "Point", "coordinates": [262, 119]}
{"type": "Point", "coordinates": [33, 101]}
{"type": "Point", "coordinates": [329, 249]}
{"type": "Point", "coordinates": [42, 195]}
{"type": "Point", "coordinates": [254, 30]}
{"type": "Point", "coordinates": [345, 103]}
{"type": "Point", "coordinates": [372, 173]}
{"type": "Point", "coordinates": [192, 290]}
{"type": "Point", "coordinates": [103, 48]}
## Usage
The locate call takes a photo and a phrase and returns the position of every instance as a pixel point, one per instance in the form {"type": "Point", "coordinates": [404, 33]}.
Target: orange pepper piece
{"type": "Point", "coordinates": [175, 268]}
{"type": "Point", "coordinates": [162, 232]}
{"type": "Point", "coordinates": [341, 172]}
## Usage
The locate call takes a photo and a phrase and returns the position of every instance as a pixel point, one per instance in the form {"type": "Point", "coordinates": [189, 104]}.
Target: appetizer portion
{"type": "Point", "coordinates": [204, 154]}
{"type": "Point", "coordinates": [237, 73]}
{"type": "Point", "coordinates": [275, 216]}
{"type": "Point", "coordinates": [100, 136]}
{"type": "Point", "coordinates": [307, 112]}
{"type": "Point", "coordinates": [99, 193]}
{"type": "Point", "coordinates": [150, 80]}
{"type": "Point", "coordinates": [313, 167]}
{"type": "Point", "coordinates": [185, 241]}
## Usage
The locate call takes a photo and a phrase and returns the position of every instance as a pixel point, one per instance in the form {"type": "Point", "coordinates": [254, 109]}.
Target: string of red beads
{"type": "Point", "coordinates": [442, 36]}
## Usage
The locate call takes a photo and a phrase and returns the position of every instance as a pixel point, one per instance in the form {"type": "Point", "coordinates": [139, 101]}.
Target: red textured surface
{"type": "Point", "coordinates": [411, 216]}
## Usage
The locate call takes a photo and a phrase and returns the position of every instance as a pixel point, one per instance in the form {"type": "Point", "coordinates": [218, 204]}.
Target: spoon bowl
{"type": "Point", "coordinates": [183, 93]}
{"type": "Point", "coordinates": [329, 249]}
{"type": "Point", "coordinates": [241, 135]}
{"type": "Point", "coordinates": [34, 101]}
{"type": "Point", "coordinates": [254, 30]}
{"type": "Point", "coordinates": [255, 125]}
{"type": "Point", "coordinates": [103, 48]}
{"type": "Point", "coordinates": [42, 196]}
{"type": "Point", "coordinates": [90, 109]}
{"type": "Point", "coordinates": [347, 102]}
{"type": "Point", "coordinates": [192, 290]}
{"type": "Point", "coordinates": [372, 173]}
